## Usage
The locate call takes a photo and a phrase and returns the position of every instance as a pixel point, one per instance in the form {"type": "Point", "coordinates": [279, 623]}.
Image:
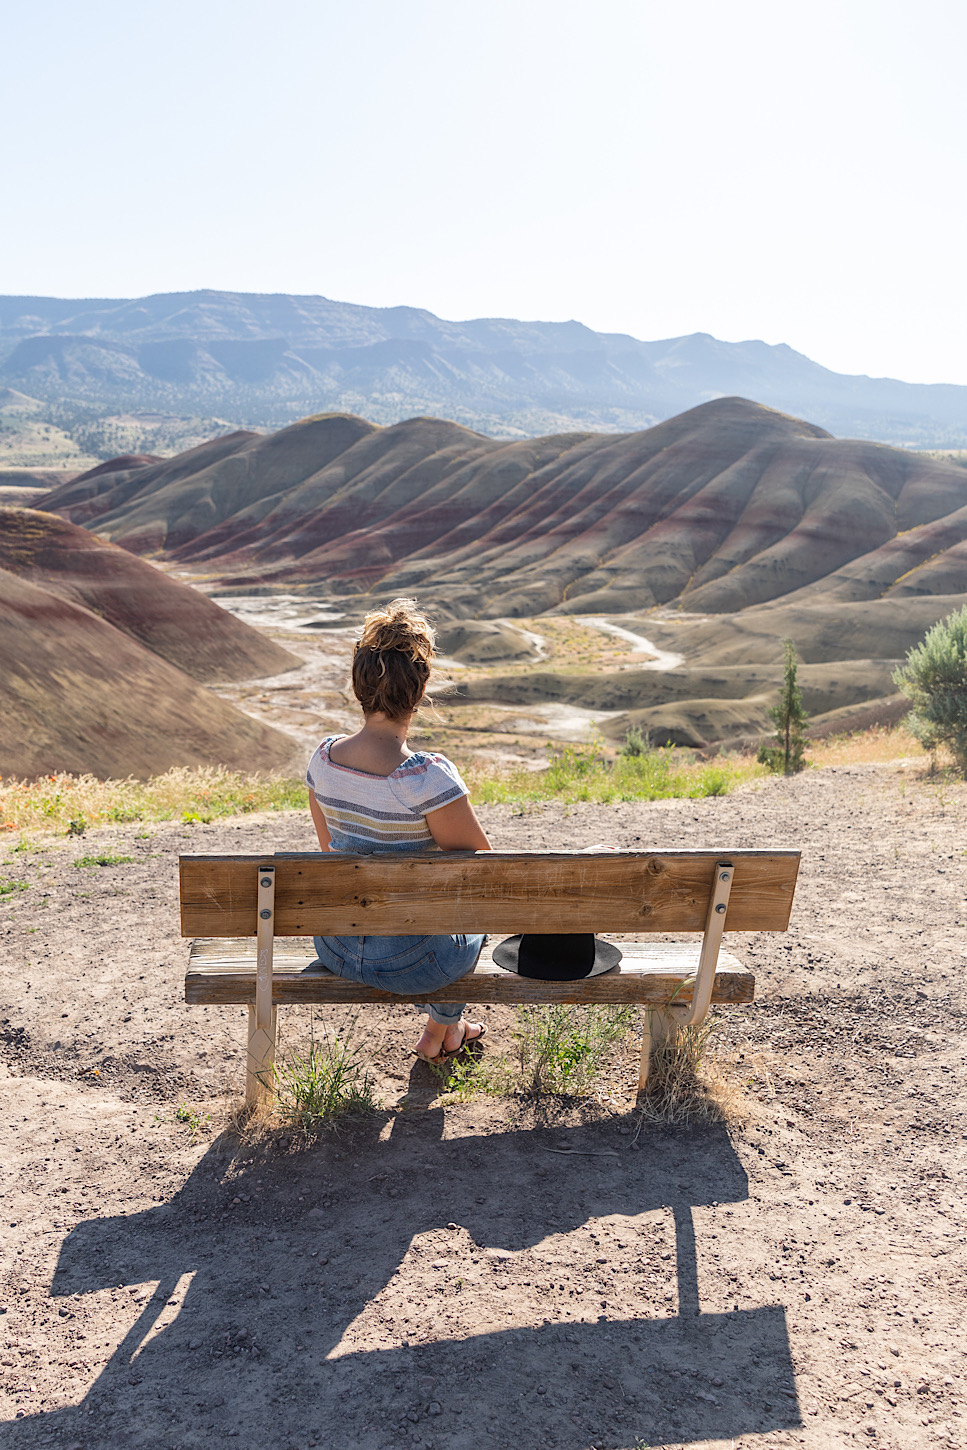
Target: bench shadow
{"type": "Point", "coordinates": [269, 1344]}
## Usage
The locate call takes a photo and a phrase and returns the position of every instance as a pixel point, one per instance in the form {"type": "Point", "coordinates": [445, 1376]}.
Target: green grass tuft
{"type": "Point", "coordinates": [561, 1049]}
{"type": "Point", "coordinates": [557, 1049]}
{"type": "Point", "coordinates": [324, 1081]}
{"type": "Point", "coordinates": [104, 860]}
{"type": "Point", "coordinates": [191, 1118]}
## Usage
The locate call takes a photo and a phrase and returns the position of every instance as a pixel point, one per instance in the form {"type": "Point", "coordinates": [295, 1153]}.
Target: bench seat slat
{"type": "Point", "coordinates": [221, 971]}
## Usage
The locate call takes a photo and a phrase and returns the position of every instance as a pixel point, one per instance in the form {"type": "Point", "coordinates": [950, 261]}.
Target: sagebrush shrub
{"type": "Point", "coordinates": [934, 679]}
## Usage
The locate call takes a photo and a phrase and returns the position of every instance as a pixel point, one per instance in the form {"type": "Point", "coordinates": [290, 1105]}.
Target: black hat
{"type": "Point", "coordinates": [556, 957]}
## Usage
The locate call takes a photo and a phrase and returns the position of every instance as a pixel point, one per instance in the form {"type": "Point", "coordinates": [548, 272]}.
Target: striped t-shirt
{"type": "Point", "coordinates": [369, 813]}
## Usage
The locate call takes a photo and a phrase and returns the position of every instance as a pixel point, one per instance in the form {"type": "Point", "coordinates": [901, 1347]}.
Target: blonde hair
{"type": "Point", "coordinates": [392, 659]}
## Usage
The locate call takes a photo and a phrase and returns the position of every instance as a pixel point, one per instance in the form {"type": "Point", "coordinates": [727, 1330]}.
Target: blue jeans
{"type": "Point", "coordinates": [404, 964]}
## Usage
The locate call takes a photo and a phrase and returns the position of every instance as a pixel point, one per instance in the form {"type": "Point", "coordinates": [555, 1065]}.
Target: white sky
{"type": "Point", "coordinates": [749, 168]}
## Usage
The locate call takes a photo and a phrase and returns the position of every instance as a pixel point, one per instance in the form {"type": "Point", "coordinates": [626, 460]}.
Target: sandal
{"type": "Point", "coordinates": [437, 1061]}
{"type": "Point", "coordinates": [466, 1041]}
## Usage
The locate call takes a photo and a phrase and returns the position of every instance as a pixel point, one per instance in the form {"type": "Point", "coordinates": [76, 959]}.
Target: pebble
{"type": "Point", "coordinates": [434, 1409]}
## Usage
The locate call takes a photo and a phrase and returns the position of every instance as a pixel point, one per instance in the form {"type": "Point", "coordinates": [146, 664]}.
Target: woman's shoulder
{"type": "Point", "coordinates": [429, 779]}
{"type": "Point", "coordinates": [319, 759]}
{"type": "Point", "coordinates": [421, 761]}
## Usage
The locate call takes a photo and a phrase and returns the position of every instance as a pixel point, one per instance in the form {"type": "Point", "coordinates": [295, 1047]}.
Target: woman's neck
{"type": "Point", "coordinates": [378, 728]}
{"type": "Point", "coordinates": [378, 748]}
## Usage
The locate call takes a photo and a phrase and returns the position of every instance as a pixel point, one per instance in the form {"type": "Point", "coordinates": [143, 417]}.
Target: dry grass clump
{"type": "Point", "coordinates": [72, 803]}
{"type": "Point", "coordinates": [879, 745]}
{"type": "Point", "coordinates": [683, 1087]}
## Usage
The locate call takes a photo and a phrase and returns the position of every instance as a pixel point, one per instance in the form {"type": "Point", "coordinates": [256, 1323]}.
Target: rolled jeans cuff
{"type": "Point", "coordinates": [446, 1013]}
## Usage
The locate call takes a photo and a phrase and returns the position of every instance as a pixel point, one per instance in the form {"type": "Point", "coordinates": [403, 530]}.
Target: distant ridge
{"type": "Point", "coordinates": [268, 359]}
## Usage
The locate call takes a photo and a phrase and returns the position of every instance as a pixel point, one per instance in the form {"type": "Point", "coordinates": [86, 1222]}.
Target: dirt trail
{"type": "Point", "coordinates": [439, 1278]}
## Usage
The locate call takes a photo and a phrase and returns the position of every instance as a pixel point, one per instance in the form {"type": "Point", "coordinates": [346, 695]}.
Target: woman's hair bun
{"type": "Point", "coordinates": [400, 626]}
{"type": "Point", "coordinates": [392, 658]}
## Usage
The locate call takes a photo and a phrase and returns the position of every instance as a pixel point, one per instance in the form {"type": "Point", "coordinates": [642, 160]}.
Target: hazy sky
{"type": "Point", "coordinates": [786, 171]}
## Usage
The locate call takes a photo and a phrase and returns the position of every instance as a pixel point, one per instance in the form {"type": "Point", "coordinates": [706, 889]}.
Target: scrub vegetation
{"type": "Point", "coordinates": [638, 772]}
{"type": "Point", "coordinates": [70, 804]}
{"type": "Point", "coordinates": [934, 678]}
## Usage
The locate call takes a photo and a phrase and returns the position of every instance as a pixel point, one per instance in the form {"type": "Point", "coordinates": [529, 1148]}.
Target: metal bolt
{"type": "Point", "coordinates": [720, 907]}
{"type": "Point", "coordinates": [724, 877]}
{"type": "Point", "coordinates": [266, 881]}
{"type": "Point", "coordinates": [265, 915]}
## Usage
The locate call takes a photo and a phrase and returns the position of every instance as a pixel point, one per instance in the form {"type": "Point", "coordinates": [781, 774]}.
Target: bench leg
{"type": "Point", "coordinates": [659, 1027]}
{"type": "Point", "coordinates": [260, 1058]}
{"type": "Point", "coordinates": [262, 1016]}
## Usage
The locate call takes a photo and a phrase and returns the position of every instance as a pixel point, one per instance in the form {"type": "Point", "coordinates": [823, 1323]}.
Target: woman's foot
{"type": "Point", "coordinates": [440, 1041]}
{"type": "Point", "coordinates": [461, 1035]}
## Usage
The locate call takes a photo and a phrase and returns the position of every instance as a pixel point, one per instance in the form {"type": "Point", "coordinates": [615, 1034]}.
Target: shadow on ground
{"type": "Point", "coordinates": [272, 1346]}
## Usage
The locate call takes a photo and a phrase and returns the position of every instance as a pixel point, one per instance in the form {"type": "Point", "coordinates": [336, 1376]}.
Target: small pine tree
{"type": "Point", "coordinates": [787, 756]}
{"type": "Point", "coordinates": [934, 678]}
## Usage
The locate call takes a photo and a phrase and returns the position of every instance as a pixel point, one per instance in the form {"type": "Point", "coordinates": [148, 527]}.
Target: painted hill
{"type": "Point", "coordinates": [728, 506]}
{"type": "Point", "coordinates": [100, 661]}
{"type": "Point", "coordinates": [267, 359]}
{"type": "Point", "coordinates": [175, 622]}
{"type": "Point", "coordinates": [715, 534]}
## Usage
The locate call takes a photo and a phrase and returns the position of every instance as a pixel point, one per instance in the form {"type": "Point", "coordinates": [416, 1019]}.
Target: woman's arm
{"type": "Point", "coordinates": [455, 827]}
{"type": "Point", "coordinates": [319, 821]}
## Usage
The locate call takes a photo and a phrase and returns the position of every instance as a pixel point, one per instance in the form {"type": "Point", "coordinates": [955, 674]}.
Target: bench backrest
{"type": "Point", "coordinates": [326, 894]}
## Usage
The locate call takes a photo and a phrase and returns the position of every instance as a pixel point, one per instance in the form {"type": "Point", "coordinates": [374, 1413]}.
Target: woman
{"type": "Point", "coordinates": [369, 793]}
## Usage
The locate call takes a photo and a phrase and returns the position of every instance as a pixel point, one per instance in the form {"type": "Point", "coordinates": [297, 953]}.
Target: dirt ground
{"type": "Point", "coordinates": [491, 1273]}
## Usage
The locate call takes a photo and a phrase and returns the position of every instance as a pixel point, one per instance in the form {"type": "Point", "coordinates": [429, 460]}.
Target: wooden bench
{"type": "Point", "coordinates": [236, 906]}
